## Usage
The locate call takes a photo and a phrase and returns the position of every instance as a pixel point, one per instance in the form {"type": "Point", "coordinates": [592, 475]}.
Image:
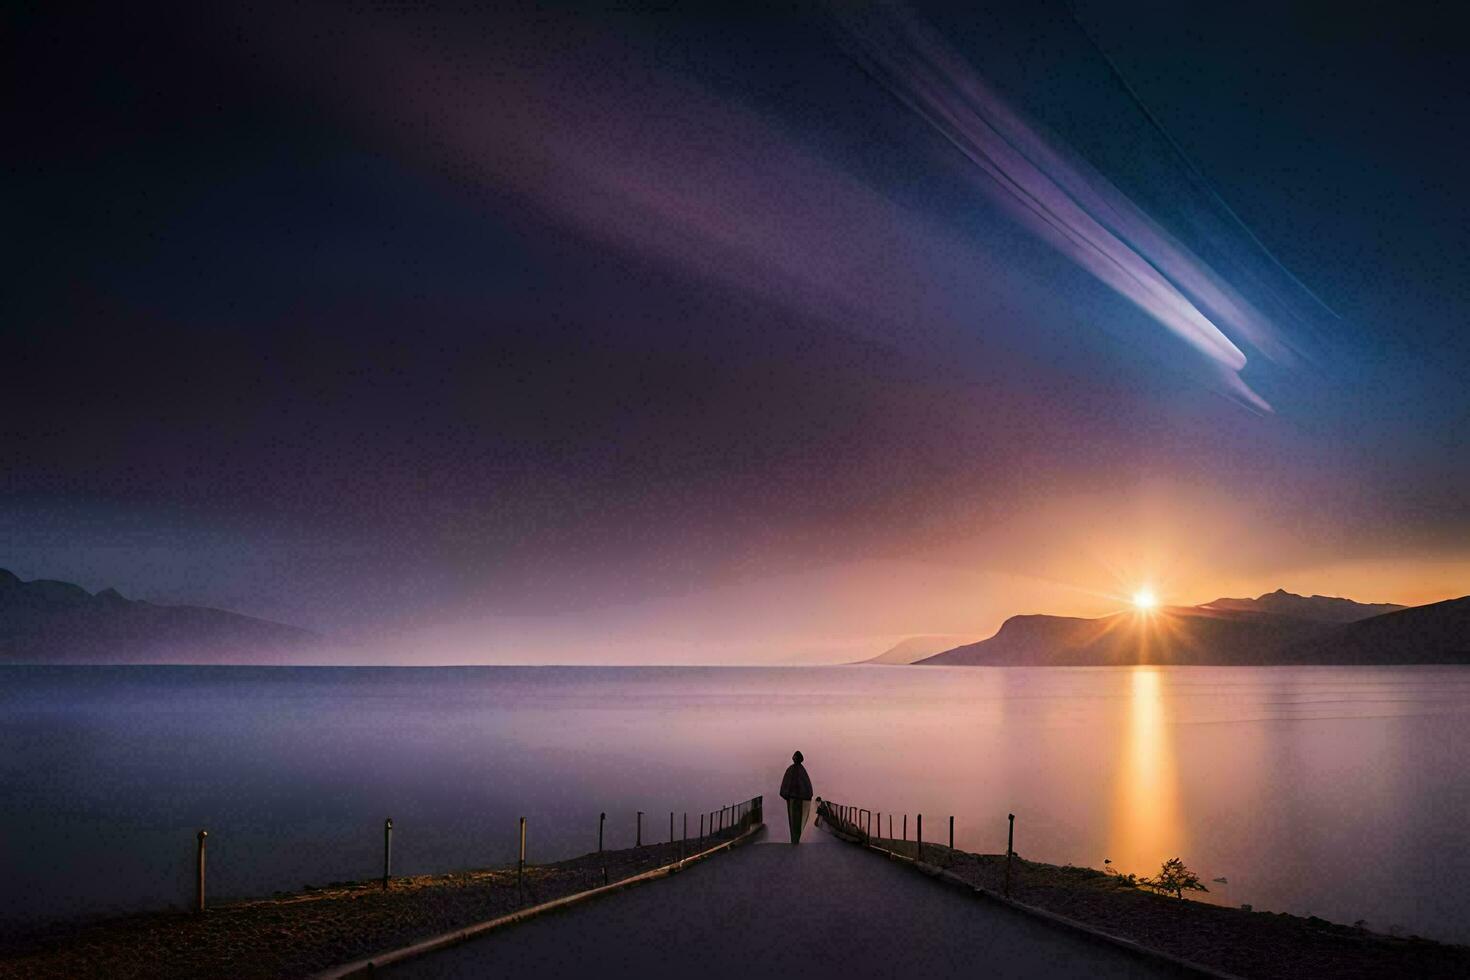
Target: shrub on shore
{"type": "Point", "coordinates": [1174, 879]}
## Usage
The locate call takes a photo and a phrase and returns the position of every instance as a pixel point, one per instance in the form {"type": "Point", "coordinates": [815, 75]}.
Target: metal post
{"type": "Point", "coordinates": [951, 833]}
{"type": "Point", "coordinates": [521, 861]}
{"type": "Point", "coordinates": [684, 838]}
{"type": "Point", "coordinates": [905, 826]}
{"type": "Point", "coordinates": [387, 850]}
{"type": "Point", "coordinates": [671, 826]}
{"type": "Point", "coordinates": [638, 840]}
{"type": "Point", "coordinates": [601, 819]}
{"type": "Point", "coordinates": [701, 827]}
{"type": "Point", "coordinates": [199, 889]}
{"type": "Point", "coordinates": [890, 826]}
{"type": "Point", "coordinates": [1010, 849]}
{"type": "Point", "coordinates": [919, 834]}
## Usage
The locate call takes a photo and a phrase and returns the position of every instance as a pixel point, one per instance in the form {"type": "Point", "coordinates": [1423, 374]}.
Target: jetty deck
{"type": "Point", "coordinates": [767, 909]}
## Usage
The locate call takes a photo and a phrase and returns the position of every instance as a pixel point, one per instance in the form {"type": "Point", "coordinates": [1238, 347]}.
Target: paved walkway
{"type": "Point", "coordinates": [768, 909]}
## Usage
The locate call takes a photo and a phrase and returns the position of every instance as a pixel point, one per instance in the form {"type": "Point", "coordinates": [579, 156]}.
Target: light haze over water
{"type": "Point", "coordinates": [1338, 792]}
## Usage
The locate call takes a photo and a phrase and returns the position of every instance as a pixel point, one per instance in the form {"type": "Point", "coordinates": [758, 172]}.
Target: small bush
{"type": "Point", "coordinates": [1174, 879]}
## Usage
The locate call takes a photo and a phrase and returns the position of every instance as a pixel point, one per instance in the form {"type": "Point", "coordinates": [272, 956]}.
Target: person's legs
{"type": "Point", "coordinates": [793, 818]}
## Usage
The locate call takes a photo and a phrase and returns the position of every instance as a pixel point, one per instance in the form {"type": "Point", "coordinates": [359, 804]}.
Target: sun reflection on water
{"type": "Point", "coordinates": [1146, 824]}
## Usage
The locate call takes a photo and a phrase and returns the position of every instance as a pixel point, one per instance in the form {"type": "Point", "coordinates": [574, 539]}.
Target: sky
{"type": "Point", "coordinates": [732, 334]}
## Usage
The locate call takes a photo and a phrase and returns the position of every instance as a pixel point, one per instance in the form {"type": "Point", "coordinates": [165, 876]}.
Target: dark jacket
{"type": "Point", "coordinates": [796, 784]}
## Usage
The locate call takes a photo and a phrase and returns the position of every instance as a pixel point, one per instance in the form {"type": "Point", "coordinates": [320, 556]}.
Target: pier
{"type": "Point", "coordinates": [769, 908]}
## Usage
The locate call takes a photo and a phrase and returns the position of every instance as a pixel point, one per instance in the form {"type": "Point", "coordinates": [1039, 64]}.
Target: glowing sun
{"type": "Point", "coordinates": [1144, 599]}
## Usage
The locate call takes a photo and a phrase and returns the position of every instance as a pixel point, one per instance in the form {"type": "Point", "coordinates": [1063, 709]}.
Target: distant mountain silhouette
{"type": "Point", "coordinates": [1326, 609]}
{"type": "Point", "coordinates": [1438, 633]}
{"type": "Point", "coordinates": [57, 622]}
{"type": "Point", "coordinates": [1212, 635]}
{"type": "Point", "coordinates": [915, 648]}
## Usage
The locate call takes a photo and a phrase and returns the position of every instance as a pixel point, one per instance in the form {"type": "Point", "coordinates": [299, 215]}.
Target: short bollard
{"type": "Point", "coordinates": [521, 860]}
{"type": "Point", "coordinates": [199, 884]}
{"type": "Point", "coordinates": [1010, 850]}
{"type": "Point", "coordinates": [387, 850]}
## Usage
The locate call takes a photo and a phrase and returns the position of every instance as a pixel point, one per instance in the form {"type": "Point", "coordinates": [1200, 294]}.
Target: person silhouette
{"type": "Point", "coordinates": [796, 790]}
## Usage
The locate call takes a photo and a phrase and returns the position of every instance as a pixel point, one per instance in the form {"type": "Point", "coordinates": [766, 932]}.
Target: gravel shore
{"type": "Point", "coordinates": [305, 932]}
{"type": "Point", "coordinates": [1234, 941]}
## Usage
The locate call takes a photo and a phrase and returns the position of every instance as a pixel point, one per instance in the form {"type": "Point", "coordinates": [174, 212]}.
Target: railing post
{"type": "Point", "coordinates": [199, 865]}
{"type": "Point", "coordinates": [684, 838]}
{"type": "Point", "coordinates": [671, 826]}
{"type": "Point", "coordinates": [701, 828]}
{"type": "Point", "coordinates": [387, 850]}
{"type": "Point", "coordinates": [1010, 850]}
{"type": "Point", "coordinates": [601, 819]}
{"type": "Point", "coordinates": [951, 832]}
{"type": "Point", "coordinates": [919, 834]}
{"type": "Point", "coordinates": [638, 839]}
{"type": "Point", "coordinates": [905, 827]}
{"type": "Point", "coordinates": [521, 861]}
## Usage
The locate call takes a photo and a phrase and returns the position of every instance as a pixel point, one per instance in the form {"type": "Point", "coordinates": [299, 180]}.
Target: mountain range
{"type": "Point", "coordinates": [44, 621]}
{"type": "Point", "coordinates": [1276, 628]}
{"type": "Point", "coordinates": [918, 647]}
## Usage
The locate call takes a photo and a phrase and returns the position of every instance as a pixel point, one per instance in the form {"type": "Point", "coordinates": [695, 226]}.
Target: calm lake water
{"type": "Point", "coordinates": [1339, 792]}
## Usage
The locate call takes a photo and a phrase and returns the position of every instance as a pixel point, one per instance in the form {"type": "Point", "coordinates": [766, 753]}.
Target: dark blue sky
{"type": "Point", "coordinates": [607, 314]}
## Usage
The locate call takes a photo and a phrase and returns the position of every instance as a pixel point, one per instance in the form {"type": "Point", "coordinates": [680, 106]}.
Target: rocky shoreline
{"type": "Point", "coordinates": [1230, 941]}
{"type": "Point", "coordinates": [301, 933]}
